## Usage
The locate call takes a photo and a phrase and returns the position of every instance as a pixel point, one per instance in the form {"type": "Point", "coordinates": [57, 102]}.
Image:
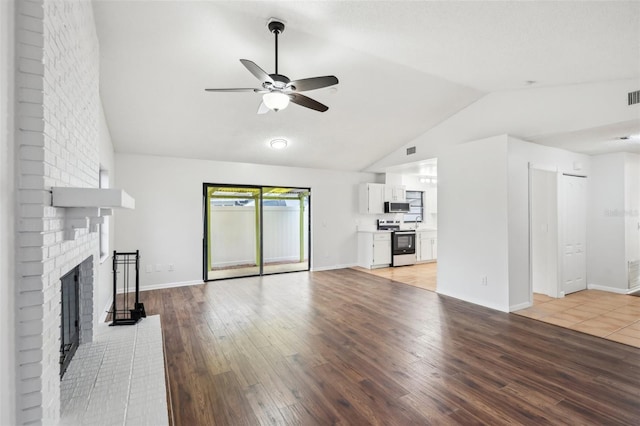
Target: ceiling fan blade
{"type": "Point", "coordinates": [256, 70]}
{"type": "Point", "coordinates": [263, 109]}
{"type": "Point", "coordinates": [243, 89]}
{"type": "Point", "coordinates": [314, 83]}
{"type": "Point", "coordinates": [307, 102]}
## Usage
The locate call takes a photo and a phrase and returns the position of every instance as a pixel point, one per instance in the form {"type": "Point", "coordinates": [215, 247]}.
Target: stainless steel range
{"type": "Point", "coordinates": [403, 248]}
{"type": "Point", "coordinates": [403, 243]}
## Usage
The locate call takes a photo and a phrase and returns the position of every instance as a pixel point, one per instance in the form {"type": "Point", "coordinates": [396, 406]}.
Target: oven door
{"type": "Point", "coordinates": [403, 242]}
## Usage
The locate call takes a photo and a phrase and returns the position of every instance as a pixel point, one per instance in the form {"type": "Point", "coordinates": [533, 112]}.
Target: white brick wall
{"type": "Point", "coordinates": [57, 119]}
{"type": "Point", "coordinates": [7, 215]}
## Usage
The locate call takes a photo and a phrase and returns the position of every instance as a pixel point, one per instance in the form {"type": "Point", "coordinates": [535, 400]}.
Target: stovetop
{"type": "Point", "coordinates": [388, 225]}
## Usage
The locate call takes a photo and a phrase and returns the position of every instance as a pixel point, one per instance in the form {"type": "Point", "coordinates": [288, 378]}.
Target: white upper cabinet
{"type": "Point", "coordinates": [395, 193]}
{"type": "Point", "coordinates": [374, 195]}
{"type": "Point", "coordinates": [372, 198]}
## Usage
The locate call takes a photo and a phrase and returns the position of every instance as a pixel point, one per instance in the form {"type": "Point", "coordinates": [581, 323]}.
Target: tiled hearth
{"type": "Point", "coordinates": [118, 379]}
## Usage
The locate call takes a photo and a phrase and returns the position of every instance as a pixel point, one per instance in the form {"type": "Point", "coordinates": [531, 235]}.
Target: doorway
{"type": "Point", "coordinates": [557, 227]}
{"type": "Point", "coordinates": [574, 233]}
{"type": "Point", "coordinates": [255, 230]}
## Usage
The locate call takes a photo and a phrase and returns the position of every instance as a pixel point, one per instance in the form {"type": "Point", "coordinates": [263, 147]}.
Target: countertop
{"type": "Point", "coordinates": [376, 231]}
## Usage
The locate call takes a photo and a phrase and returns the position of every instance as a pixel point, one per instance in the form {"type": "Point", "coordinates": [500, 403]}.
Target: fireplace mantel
{"type": "Point", "coordinates": [91, 197]}
{"type": "Point", "coordinates": [87, 207]}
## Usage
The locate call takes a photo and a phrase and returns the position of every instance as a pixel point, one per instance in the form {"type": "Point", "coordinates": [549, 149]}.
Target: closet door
{"type": "Point", "coordinates": [574, 233]}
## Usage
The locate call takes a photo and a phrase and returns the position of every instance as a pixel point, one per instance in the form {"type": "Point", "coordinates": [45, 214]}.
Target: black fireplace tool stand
{"type": "Point", "coordinates": [127, 309]}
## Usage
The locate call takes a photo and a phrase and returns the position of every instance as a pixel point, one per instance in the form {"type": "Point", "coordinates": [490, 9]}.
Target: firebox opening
{"type": "Point", "coordinates": [70, 326]}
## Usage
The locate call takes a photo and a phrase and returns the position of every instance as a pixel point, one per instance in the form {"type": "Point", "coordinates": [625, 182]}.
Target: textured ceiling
{"type": "Point", "coordinates": [403, 68]}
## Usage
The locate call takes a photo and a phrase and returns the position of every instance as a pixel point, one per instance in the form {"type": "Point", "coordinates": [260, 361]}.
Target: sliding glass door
{"type": "Point", "coordinates": [285, 239]}
{"type": "Point", "coordinates": [255, 230]}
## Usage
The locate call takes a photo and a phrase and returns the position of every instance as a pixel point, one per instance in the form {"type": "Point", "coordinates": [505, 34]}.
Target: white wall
{"type": "Point", "coordinates": [412, 183]}
{"type": "Point", "coordinates": [523, 113]}
{"type": "Point", "coordinates": [606, 258]}
{"type": "Point", "coordinates": [632, 206]}
{"type": "Point", "coordinates": [167, 224]}
{"type": "Point", "coordinates": [483, 217]}
{"type": "Point", "coordinates": [7, 217]}
{"type": "Point", "coordinates": [103, 286]}
{"type": "Point", "coordinates": [472, 223]}
{"type": "Point", "coordinates": [520, 155]}
{"type": "Point", "coordinates": [544, 231]}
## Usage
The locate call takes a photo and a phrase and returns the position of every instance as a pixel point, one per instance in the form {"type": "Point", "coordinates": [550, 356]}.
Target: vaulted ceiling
{"type": "Point", "coordinates": [404, 67]}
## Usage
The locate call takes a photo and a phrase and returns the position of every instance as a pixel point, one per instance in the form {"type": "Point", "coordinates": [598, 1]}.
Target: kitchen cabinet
{"type": "Point", "coordinates": [395, 193]}
{"type": "Point", "coordinates": [426, 246]}
{"type": "Point", "coordinates": [374, 249]}
{"type": "Point", "coordinates": [372, 198]}
{"type": "Point", "coordinates": [431, 200]}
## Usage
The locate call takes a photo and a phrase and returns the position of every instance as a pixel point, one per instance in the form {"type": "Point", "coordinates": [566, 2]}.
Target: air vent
{"type": "Point", "coordinates": [411, 150]}
{"type": "Point", "coordinates": [634, 97]}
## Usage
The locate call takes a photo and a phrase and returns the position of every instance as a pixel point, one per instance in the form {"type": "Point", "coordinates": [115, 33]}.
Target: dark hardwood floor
{"type": "Point", "coordinates": [346, 347]}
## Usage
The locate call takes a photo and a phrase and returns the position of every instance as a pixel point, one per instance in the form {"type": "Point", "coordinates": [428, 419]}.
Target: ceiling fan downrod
{"type": "Point", "coordinates": [276, 27]}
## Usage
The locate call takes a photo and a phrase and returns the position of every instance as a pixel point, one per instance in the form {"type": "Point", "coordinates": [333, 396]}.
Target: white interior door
{"type": "Point", "coordinates": [543, 216]}
{"type": "Point", "coordinates": [574, 235]}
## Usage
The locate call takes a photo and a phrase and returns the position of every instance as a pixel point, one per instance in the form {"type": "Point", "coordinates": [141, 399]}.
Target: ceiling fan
{"type": "Point", "coordinates": [277, 90]}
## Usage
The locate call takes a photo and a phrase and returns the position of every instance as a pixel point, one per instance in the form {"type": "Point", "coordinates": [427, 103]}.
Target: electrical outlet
{"type": "Point", "coordinates": [149, 268]}
{"type": "Point", "coordinates": [484, 280]}
{"type": "Point", "coordinates": [171, 267]}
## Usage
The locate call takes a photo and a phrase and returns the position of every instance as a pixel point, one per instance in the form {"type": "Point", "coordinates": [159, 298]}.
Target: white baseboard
{"type": "Point", "coordinates": [105, 311]}
{"type": "Point", "coordinates": [163, 286]}
{"type": "Point", "coordinates": [609, 289]}
{"type": "Point", "coordinates": [634, 289]}
{"type": "Point", "coordinates": [464, 298]}
{"type": "Point", "coordinates": [329, 268]}
{"type": "Point", "coordinates": [519, 306]}
{"type": "Point", "coordinates": [171, 285]}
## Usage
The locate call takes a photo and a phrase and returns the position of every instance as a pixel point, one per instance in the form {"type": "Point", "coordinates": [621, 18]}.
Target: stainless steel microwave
{"type": "Point", "coordinates": [391, 207]}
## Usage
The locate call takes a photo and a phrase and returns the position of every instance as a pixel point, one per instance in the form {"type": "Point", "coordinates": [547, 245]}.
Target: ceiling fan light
{"type": "Point", "coordinates": [275, 101]}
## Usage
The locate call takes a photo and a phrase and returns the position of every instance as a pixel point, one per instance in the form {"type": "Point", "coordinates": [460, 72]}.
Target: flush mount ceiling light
{"type": "Point", "coordinates": [278, 144]}
{"type": "Point", "coordinates": [275, 101]}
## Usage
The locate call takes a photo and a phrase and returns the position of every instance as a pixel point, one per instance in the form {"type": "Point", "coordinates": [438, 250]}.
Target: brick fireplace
{"type": "Point", "coordinates": [59, 119]}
